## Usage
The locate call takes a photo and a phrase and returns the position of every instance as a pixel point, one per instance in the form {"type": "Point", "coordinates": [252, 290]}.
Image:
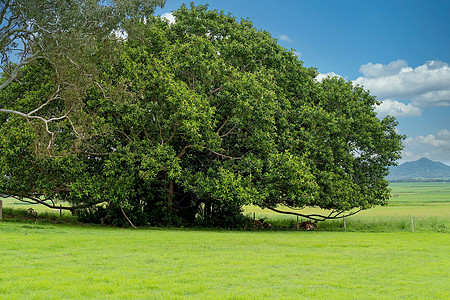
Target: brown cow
{"type": "Point", "coordinates": [308, 225]}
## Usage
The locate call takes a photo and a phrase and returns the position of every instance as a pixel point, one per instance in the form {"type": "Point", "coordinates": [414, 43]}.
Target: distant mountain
{"type": "Point", "coordinates": [423, 168]}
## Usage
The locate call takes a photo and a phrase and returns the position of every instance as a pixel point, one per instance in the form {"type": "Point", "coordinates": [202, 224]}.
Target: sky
{"type": "Point", "coordinates": [398, 50]}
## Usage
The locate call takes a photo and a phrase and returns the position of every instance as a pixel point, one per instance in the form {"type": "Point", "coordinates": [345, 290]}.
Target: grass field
{"type": "Point", "coordinates": [16, 204]}
{"type": "Point", "coordinates": [60, 262]}
{"type": "Point", "coordinates": [427, 202]}
{"type": "Point", "coordinates": [54, 261]}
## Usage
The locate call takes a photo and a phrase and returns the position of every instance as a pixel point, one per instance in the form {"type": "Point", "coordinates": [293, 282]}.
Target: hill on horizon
{"type": "Point", "coordinates": [423, 168]}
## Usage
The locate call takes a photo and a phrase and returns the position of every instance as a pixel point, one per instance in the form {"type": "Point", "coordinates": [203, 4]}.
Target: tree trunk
{"type": "Point", "coordinates": [170, 197]}
{"type": "Point", "coordinates": [208, 210]}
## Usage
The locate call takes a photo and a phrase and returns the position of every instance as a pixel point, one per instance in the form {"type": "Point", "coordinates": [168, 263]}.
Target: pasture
{"type": "Point", "coordinates": [61, 262]}
{"type": "Point", "coordinates": [377, 256]}
{"type": "Point", "coordinates": [427, 202]}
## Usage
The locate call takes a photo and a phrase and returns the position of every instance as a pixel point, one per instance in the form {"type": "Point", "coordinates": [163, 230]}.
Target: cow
{"type": "Point", "coordinates": [261, 223]}
{"type": "Point", "coordinates": [308, 225]}
{"type": "Point", "coordinates": [32, 212]}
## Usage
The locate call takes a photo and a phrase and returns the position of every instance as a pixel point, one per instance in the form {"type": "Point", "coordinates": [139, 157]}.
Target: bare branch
{"type": "Point", "coordinates": [229, 131]}
{"type": "Point", "coordinates": [17, 68]}
{"type": "Point", "coordinates": [35, 200]}
{"type": "Point", "coordinates": [129, 221]}
{"type": "Point", "coordinates": [224, 156]}
{"type": "Point", "coordinates": [45, 121]}
{"type": "Point", "coordinates": [220, 128]}
{"type": "Point", "coordinates": [5, 9]}
{"type": "Point", "coordinates": [315, 217]}
{"type": "Point", "coordinates": [183, 152]}
{"type": "Point", "coordinates": [216, 90]}
{"type": "Point", "coordinates": [53, 97]}
{"type": "Point", "coordinates": [103, 91]}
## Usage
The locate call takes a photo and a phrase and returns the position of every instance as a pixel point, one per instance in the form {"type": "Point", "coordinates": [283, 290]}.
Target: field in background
{"type": "Point", "coordinates": [427, 202]}
{"type": "Point", "coordinates": [16, 204]}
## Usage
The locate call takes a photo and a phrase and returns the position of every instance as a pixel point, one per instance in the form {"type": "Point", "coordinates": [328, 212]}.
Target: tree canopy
{"type": "Point", "coordinates": [66, 34]}
{"type": "Point", "coordinates": [189, 121]}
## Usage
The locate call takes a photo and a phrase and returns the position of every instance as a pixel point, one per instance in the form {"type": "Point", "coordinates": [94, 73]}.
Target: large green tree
{"type": "Point", "coordinates": [192, 120]}
{"type": "Point", "coordinates": [48, 63]}
{"type": "Point", "coordinates": [66, 34]}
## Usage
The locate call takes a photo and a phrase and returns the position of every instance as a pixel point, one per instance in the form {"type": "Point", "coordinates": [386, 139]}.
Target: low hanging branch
{"type": "Point", "coordinates": [46, 123]}
{"type": "Point", "coordinates": [129, 221]}
{"type": "Point", "coordinates": [35, 199]}
{"type": "Point", "coordinates": [316, 217]}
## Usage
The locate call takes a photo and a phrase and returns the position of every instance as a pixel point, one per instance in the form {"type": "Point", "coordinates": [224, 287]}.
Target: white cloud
{"type": "Point", "coordinates": [433, 98]}
{"type": "Point", "coordinates": [322, 76]}
{"type": "Point", "coordinates": [169, 17]}
{"type": "Point", "coordinates": [433, 146]}
{"type": "Point", "coordinates": [397, 109]}
{"type": "Point", "coordinates": [285, 38]}
{"type": "Point", "coordinates": [371, 70]}
{"type": "Point", "coordinates": [425, 86]}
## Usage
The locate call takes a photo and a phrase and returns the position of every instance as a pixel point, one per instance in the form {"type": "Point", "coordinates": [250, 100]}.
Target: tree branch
{"type": "Point", "coordinates": [183, 152]}
{"type": "Point", "coordinates": [34, 200]}
{"type": "Point", "coordinates": [223, 125]}
{"type": "Point", "coordinates": [129, 221]}
{"type": "Point", "coordinates": [224, 156]}
{"type": "Point", "coordinates": [315, 217]}
{"type": "Point", "coordinates": [229, 131]}
{"type": "Point", "coordinates": [216, 90]}
{"type": "Point", "coordinates": [17, 69]}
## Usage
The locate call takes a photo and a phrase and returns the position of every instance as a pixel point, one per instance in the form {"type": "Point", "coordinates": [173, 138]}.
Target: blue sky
{"type": "Point", "coordinates": [399, 50]}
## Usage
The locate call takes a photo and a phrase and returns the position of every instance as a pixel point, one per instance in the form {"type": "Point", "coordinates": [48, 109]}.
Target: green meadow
{"type": "Point", "coordinates": [61, 262]}
{"type": "Point", "coordinates": [376, 257]}
{"type": "Point", "coordinates": [427, 203]}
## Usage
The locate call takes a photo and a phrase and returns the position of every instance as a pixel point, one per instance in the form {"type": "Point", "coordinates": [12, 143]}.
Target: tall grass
{"type": "Point", "coordinates": [368, 224]}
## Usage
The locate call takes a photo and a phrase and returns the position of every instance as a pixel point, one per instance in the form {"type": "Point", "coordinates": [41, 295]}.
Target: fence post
{"type": "Point", "coordinates": [412, 224]}
{"type": "Point", "coordinates": [1, 210]}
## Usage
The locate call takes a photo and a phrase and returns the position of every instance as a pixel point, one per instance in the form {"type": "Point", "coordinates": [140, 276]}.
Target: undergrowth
{"type": "Point", "coordinates": [22, 214]}
{"type": "Point", "coordinates": [371, 224]}
{"type": "Point", "coordinates": [276, 223]}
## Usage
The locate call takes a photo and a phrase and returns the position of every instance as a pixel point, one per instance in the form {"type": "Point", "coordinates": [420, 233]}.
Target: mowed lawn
{"type": "Point", "coordinates": [58, 261]}
{"type": "Point", "coordinates": [376, 257]}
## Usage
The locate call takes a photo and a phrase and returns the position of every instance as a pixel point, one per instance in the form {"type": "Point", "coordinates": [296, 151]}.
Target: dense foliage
{"type": "Point", "coordinates": [190, 121]}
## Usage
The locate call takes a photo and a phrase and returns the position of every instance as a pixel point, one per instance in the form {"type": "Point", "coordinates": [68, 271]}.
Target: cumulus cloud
{"type": "Point", "coordinates": [425, 86]}
{"type": "Point", "coordinates": [397, 109]}
{"type": "Point", "coordinates": [285, 38]}
{"type": "Point", "coordinates": [322, 76]}
{"type": "Point", "coordinates": [371, 70]}
{"type": "Point", "coordinates": [433, 146]}
{"type": "Point", "coordinates": [169, 17]}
